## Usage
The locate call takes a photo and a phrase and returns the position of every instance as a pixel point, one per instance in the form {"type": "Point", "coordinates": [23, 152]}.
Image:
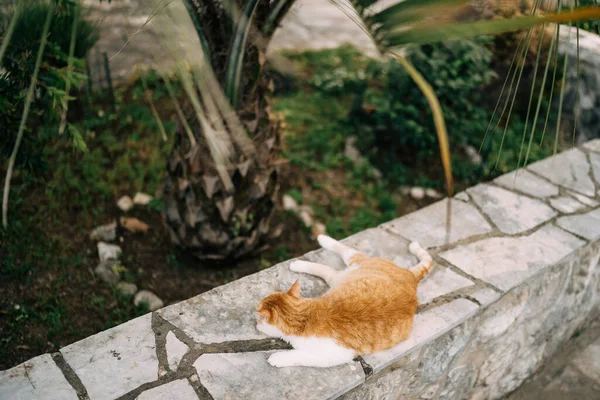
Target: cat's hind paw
{"type": "Point", "coordinates": [280, 360]}
{"type": "Point", "coordinates": [327, 242]}
{"type": "Point", "coordinates": [298, 266]}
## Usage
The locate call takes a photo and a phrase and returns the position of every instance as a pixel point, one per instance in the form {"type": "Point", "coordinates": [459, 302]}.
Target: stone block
{"type": "Point", "coordinates": [176, 349]}
{"type": "Point", "coordinates": [566, 205]}
{"type": "Point", "coordinates": [249, 376]}
{"type": "Point", "coordinates": [462, 196]}
{"type": "Point", "coordinates": [388, 384]}
{"type": "Point", "coordinates": [584, 199]}
{"type": "Point", "coordinates": [588, 361]}
{"type": "Point", "coordinates": [510, 212]}
{"type": "Point", "coordinates": [486, 296]}
{"type": "Point", "coordinates": [569, 169]}
{"type": "Point", "coordinates": [116, 361]}
{"type": "Point", "coordinates": [176, 390]}
{"type": "Point", "coordinates": [593, 145]}
{"type": "Point", "coordinates": [459, 382]}
{"type": "Point", "coordinates": [584, 225]}
{"type": "Point", "coordinates": [428, 225]}
{"type": "Point", "coordinates": [595, 161]}
{"type": "Point", "coordinates": [38, 378]}
{"type": "Point", "coordinates": [528, 183]}
{"type": "Point", "coordinates": [226, 313]}
{"type": "Point", "coordinates": [506, 262]}
{"type": "Point", "coordinates": [439, 282]}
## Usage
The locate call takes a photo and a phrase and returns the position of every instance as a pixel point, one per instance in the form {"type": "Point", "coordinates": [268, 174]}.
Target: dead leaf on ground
{"type": "Point", "coordinates": [134, 225]}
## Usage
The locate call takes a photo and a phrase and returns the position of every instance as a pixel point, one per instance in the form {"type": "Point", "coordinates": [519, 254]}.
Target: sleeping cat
{"type": "Point", "coordinates": [369, 307]}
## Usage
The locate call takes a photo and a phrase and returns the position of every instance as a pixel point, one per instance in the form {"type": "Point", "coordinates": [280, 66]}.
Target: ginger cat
{"type": "Point", "coordinates": [369, 307]}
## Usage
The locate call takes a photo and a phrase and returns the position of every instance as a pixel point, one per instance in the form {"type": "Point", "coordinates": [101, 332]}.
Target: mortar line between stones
{"type": "Point", "coordinates": [443, 262]}
{"type": "Point", "coordinates": [485, 216]}
{"type": "Point", "coordinates": [392, 231]}
{"type": "Point", "coordinates": [591, 174]}
{"type": "Point", "coordinates": [160, 339]}
{"type": "Point", "coordinates": [462, 293]}
{"type": "Point", "coordinates": [545, 200]}
{"type": "Point", "coordinates": [70, 376]}
{"type": "Point", "coordinates": [589, 150]}
{"type": "Point", "coordinates": [561, 186]}
{"type": "Point", "coordinates": [571, 233]}
{"type": "Point", "coordinates": [562, 192]}
{"type": "Point", "coordinates": [163, 380]}
{"type": "Point", "coordinates": [200, 390]}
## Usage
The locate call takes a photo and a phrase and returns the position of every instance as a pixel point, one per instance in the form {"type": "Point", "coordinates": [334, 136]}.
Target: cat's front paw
{"type": "Point", "coordinates": [280, 360]}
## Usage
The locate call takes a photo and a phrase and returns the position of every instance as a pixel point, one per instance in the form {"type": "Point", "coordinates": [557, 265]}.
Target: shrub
{"type": "Point", "coordinates": [18, 66]}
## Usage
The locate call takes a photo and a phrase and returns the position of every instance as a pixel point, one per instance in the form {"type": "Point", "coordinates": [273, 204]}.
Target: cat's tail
{"type": "Point", "coordinates": [425, 262]}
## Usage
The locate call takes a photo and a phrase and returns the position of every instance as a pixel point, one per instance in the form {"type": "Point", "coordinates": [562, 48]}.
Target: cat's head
{"type": "Point", "coordinates": [276, 312]}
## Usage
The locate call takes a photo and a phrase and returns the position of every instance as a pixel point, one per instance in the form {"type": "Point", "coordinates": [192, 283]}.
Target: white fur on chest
{"type": "Point", "coordinates": [308, 351]}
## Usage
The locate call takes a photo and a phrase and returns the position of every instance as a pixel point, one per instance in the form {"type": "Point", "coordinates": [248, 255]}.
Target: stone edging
{"type": "Point", "coordinates": [519, 276]}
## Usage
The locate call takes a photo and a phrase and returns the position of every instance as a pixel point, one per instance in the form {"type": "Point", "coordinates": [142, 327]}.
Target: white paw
{"type": "Point", "coordinates": [414, 247]}
{"type": "Point", "coordinates": [280, 360]}
{"type": "Point", "coordinates": [298, 266]}
{"type": "Point", "coordinates": [326, 242]}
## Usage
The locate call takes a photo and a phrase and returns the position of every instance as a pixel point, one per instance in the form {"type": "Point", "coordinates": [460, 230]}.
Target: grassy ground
{"type": "Point", "coordinates": [49, 295]}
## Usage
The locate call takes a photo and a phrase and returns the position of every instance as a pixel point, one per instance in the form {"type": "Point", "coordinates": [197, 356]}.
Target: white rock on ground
{"type": "Point", "coordinates": [432, 193]}
{"type": "Point", "coordinates": [319, 229]}
{"type": "Point", "coordinates": [289, 203]}
{"type": "Point", "coordinates": [142, 199]}
{"type": "Point", "coordinates": [105, 233]}
{"type": "Point", "coordinates": [306, 218]}
{"type": "Point", "coordinates": [176, 349]}
{"type": "Point", "coordinates": [472, 154]}
{"type": "Point", "coordinates": [106, 271]}
{"type": "Point", "coordinates": [417, 193]}
{"type": "Point", "coordinates": [126, 288]}
{"type": "Point", "coordinates": [145, 296]}
{"type": "Point", "coordinates": [125, 203]}
{"type": "Point", "coordinates": [108, 251]}
{"type": "Point", "coordinates": [351, 151]}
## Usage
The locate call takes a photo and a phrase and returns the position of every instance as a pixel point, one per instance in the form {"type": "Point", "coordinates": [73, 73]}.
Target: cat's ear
{"type": "Point", "coordinates": [295, 290]}
{"type": "Point", "coordinates": [265, 313]}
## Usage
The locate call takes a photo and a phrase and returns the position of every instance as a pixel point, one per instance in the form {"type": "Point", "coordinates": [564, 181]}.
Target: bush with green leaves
{"type": "Point", "coordinates": [18, 66]}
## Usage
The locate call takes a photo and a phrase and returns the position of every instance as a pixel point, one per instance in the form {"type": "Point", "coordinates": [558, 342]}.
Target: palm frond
{"type": "Point", "coordinates": [237, 52]}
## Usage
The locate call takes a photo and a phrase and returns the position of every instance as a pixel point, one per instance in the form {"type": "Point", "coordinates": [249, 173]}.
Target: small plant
{"type": "Point", "coordinates": [18, 67]}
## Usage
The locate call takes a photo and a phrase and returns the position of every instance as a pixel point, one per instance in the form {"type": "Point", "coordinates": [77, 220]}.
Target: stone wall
{"type": "Point", "coordinates": [518, 278]}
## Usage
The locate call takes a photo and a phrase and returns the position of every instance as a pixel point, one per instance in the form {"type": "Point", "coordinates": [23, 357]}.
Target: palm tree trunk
{"type": "Point", "coordinates": [201, 215]}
